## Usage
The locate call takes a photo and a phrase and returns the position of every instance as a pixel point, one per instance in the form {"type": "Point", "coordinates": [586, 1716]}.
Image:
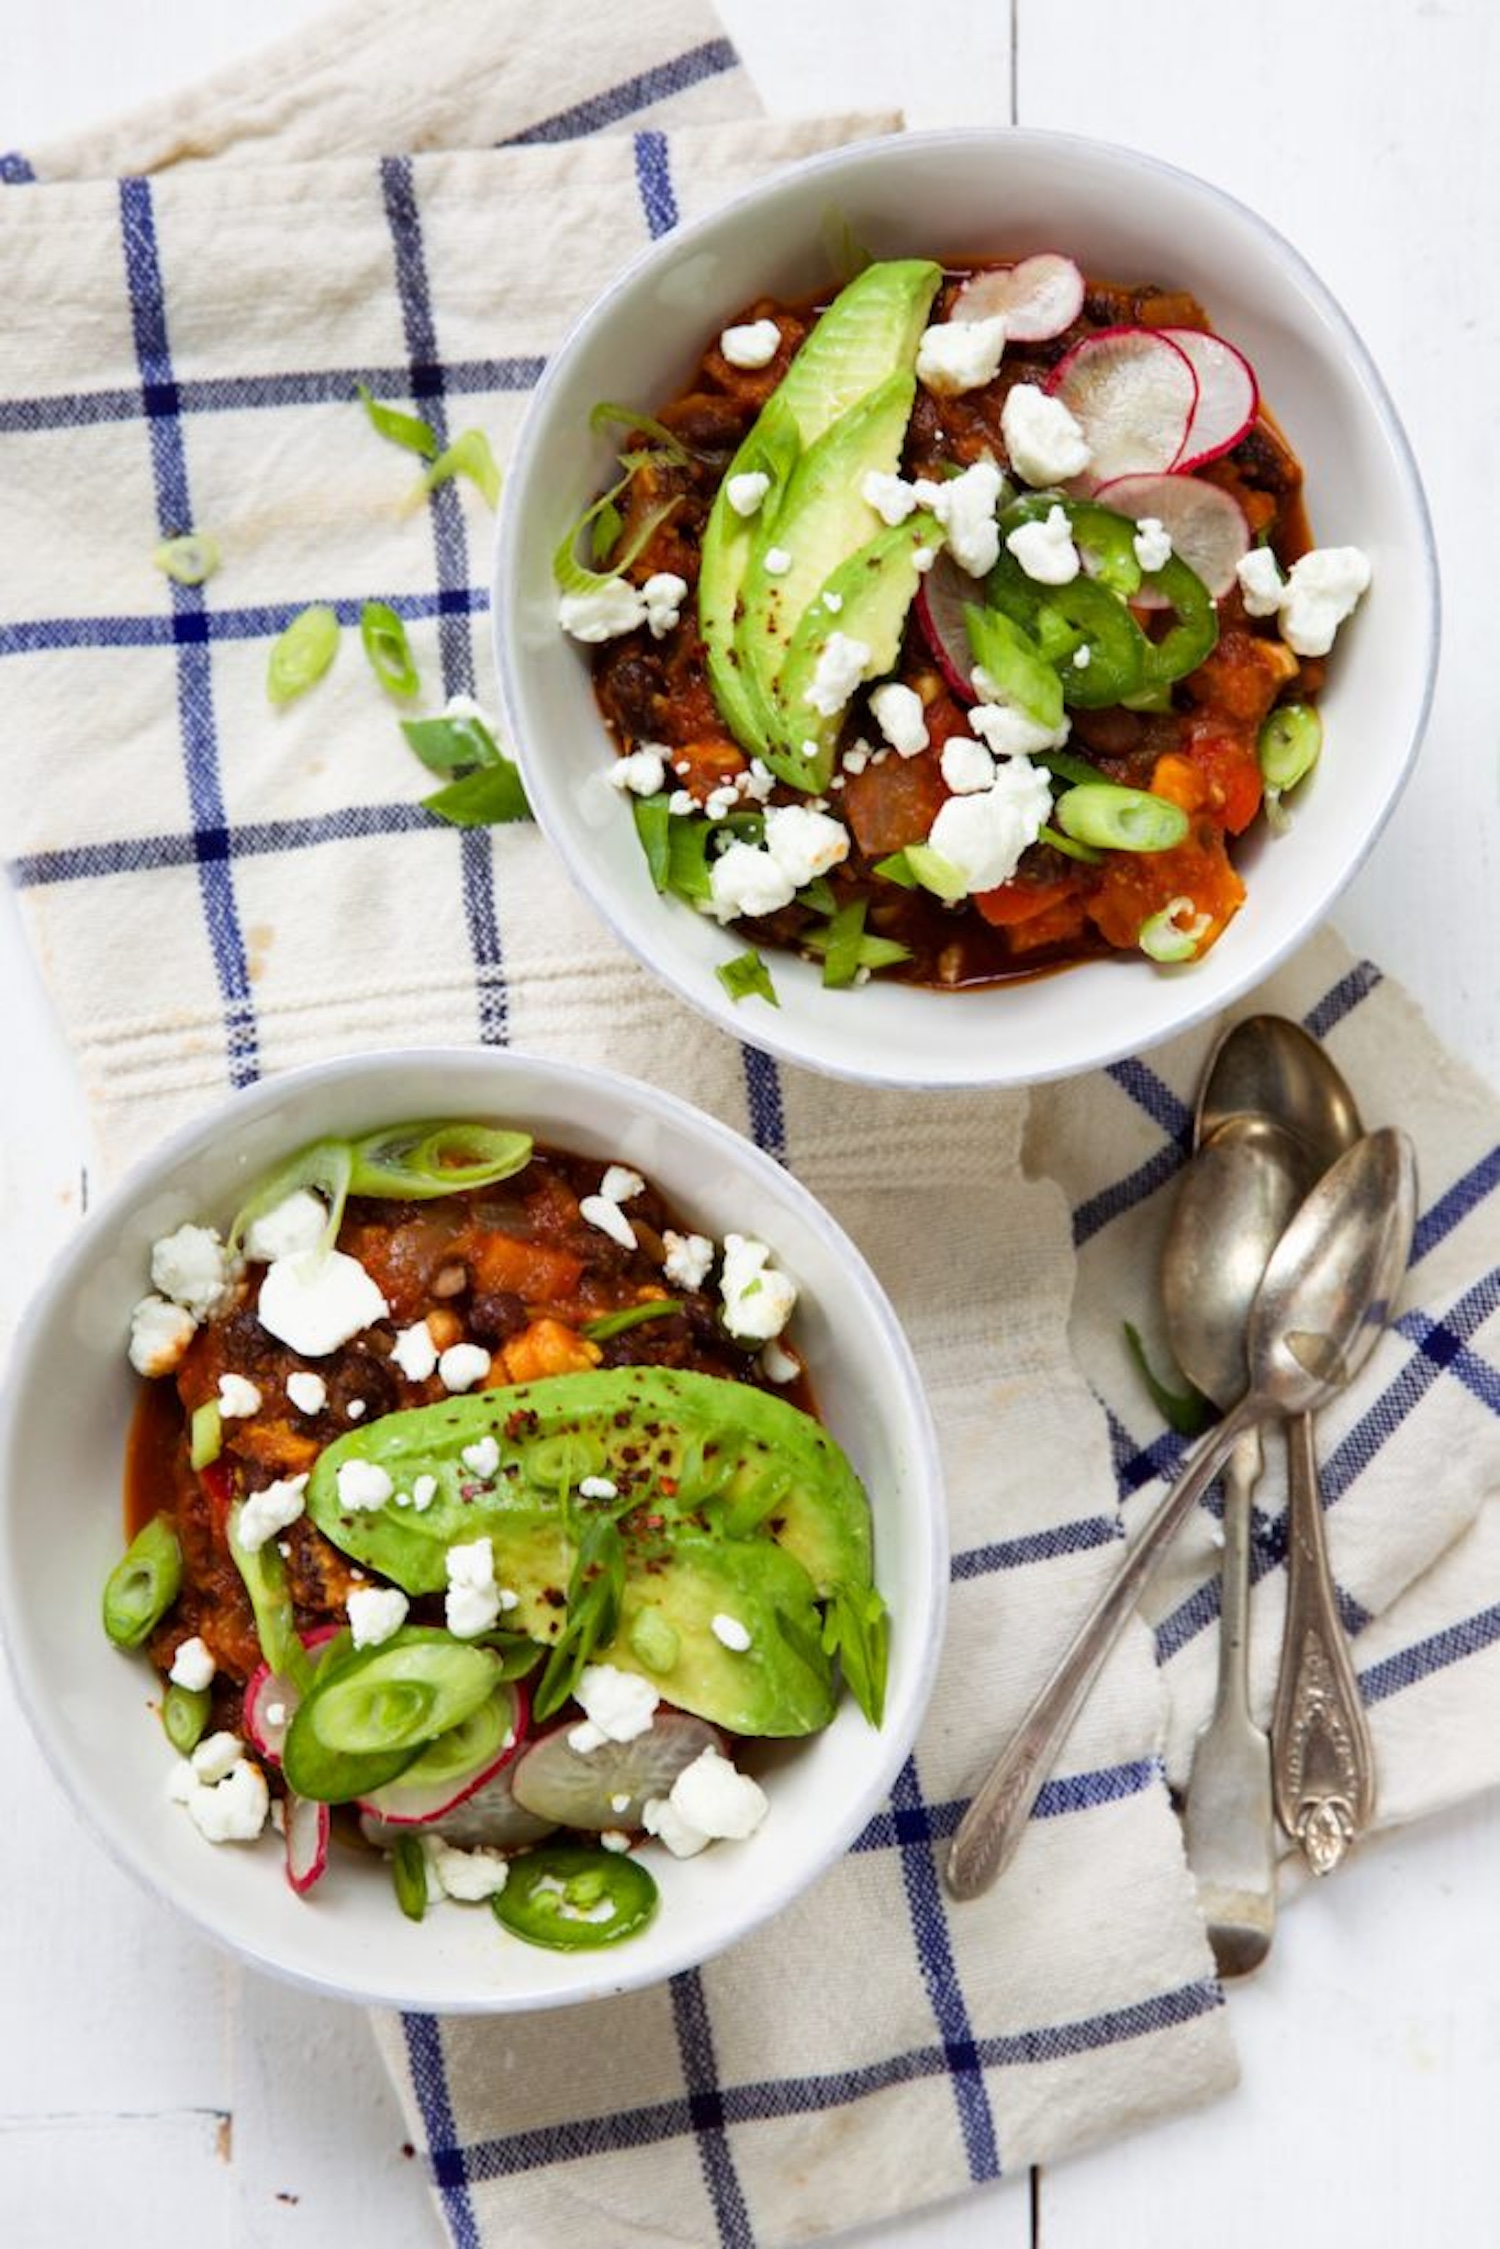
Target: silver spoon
{"type": "Point", "coordinates": [1235, 1201]}
{"type": "Point", "coordinates": [1325, 1299]}
{"type": "Point", "coordinates": [1322, 1760]}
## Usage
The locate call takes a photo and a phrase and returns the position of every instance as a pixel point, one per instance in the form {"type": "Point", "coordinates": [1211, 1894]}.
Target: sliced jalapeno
{"type": "Point", "coordinates": [143, 1584]}
{"type": "Point", "coordinates": [1195, 634]}
{"type": "Point", "coordinates": [570, 1898]}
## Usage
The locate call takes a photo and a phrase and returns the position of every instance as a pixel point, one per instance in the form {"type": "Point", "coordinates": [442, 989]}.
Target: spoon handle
{"type": "Point", "coordinates": [995, 1821]}
{"type": "Point", "coordinates": [1322, 1763]}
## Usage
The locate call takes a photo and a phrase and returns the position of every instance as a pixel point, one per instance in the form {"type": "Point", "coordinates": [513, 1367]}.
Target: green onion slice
{"type": "Point", "coordinates": [1175, 933]}
{"type": "Point", "coordinates": [1117, 819]}
{"type": "Point", "coordinates": [415, 1162]}
{"type": "Point", "coordinates": [409, 1876]}
{"type": "Point", "coordinates": [388, 649]}
{"type": "Point", "coordinates": [857, 1629]}
{"type": "Point", "coordinates": [607, 413]}
{"type": "Point", "coordinates": [596, 1590]}
{"type": "Point", "coordinates": [653, 828]}
{"type": "Point", "coordinates": [873, 952]}
{"type": "Point", "coordinates": [491, 798]}
{"type": "Point", "coordinates": [264, 1575]}
{"type": "Point", "coordinates": [184, 1715]}
{"type": "Point", "coordinates": [632, 1316]}
{"type": "Point", "coordinates": [568, 571]}
{"type": "Point", "coordinates": [747, 977]}
{"type": "Point", "coordinates": [445, 744]}
{"type": "Point", "coordinates": [935, 873]}
{"type": "Point", "coordinates": [205, 1435]}
{"type": "Point", "coordinates": [469, 455]}
{"type": "Point", "coordinates": [1068, 847]}
{"type": "Point", "coordinates": [302, 653]}
{"type": "Point", "coordinates": [1289, 744]}
{"type": "Point", "coordinates": [402, 429]}
{"type": "Point", "coordinates": [188, 560]}
{"type": "Point", "coordinates": [1186, 1411]}
{"type": "Point", "coordinates": [322, 1167]}
{"type": "Point", "coordinates": [143, 1584]}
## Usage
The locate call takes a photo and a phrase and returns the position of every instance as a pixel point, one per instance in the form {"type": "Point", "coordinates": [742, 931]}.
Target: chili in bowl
{"type": "Point", "coordinates": [955, 634]}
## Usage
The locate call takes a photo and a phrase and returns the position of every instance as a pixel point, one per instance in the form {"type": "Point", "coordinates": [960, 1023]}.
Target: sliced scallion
{"type": "Point", "coordinates": [435, 1156]}
{"type": "Point", "coordinates": [653, 827]}
{"type": "Point", "coordinates": [632, 1316]}
{"type": "Point", "coordinates": [841, 952]}
{"type": "Point", "coordinates": [747, 977]}
{"type": "Point", "coordinates": [607, 413]}
{"type": "Point", "coordinates": [205, 1434]}
{"type": "Point", "coordinates": [189, 560]}
{"type": "Point", "coordinates": [1117, 819]}
{"type": "Point", "coordinates": [1068, 847]}
{"type": "Point", "coordinates": [490, 798]}
{"type": "Point", "coordinates": [1186, 1411]}
{"type": "Point", "coordinates": [935, 873]}
{"type": "Point", "coordinates": [322, 1168]}
{"type": "Point", "coordinates": [596, 1590]}
{"type": "Point", "coordinates": [469, 455]}
{"type": "Point", "coordinates": [1175, 933]}
{"type": "Point", "coordinates": [184, 1714]}
{"type": "Point", "coordinates": [143, 1584]}
{"type": "Point", "coordinates": [896, 868]}
{"type": "Point", "coordinates": [401, 429]}
{"type": "Point", "coordinates": [569, 573]}
{"type": "Point", "coordinates": [388, 649]}
{"type": "Point", "coordinates": [1289, 744]}
{"type": "Point", "coordinates": [302, 653]}
{"type": "Point", "coordinates": [445, 744]}
{"type": "Point", "coordinates": [409, 1876]}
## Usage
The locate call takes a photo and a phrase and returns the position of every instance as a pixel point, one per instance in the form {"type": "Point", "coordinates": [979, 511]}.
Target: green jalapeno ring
{"type": "Point", "coordinates": [1195, 634]}
{"type": "Point", "coordinates": [568, 1897]}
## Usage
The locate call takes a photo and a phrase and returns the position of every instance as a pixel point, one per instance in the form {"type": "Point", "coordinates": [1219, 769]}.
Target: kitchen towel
{"type": "Point", "coordinates": [419, 198]}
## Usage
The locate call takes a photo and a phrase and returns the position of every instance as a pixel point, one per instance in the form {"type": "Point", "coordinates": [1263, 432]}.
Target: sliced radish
{"type": "Point", "coordinates": [1206, 525]}
{"type": "Point", "coordinates": [306, 1827]}
{"type": "Point", "coordinates": [490, 1818]}
{"type": "Point", "coordinates": [1038, 298]}
{"type": "Point", "coordinates": [1227, 395]}
{"type": "Point", "coordinates": [1133, 392]}
{"type": "Point", "coordinates": [607, 1786]}
{"type": "Point", "coordinates": [941, 596]}
{"type": "Point", "coordinates": [268, 1692]}
{"type": "Point", "coordinates": [456, 1765]}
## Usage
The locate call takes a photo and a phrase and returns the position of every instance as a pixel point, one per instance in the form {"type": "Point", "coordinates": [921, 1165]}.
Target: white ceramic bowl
{"type": "Point", "coordinates": [1125, 217]}
{"type": "Point", "coordinates": [68, 1404]}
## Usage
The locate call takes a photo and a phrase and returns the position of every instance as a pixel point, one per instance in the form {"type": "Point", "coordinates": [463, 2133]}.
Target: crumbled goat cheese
{"type": "Point", "coordinates": [729, 1632]}
{"type": "Point", "coordinates": [608, 1218]}
{"type": "Point", "coordinates": [374, 1613]}
{"type": "Point", "coordinates": [778, 1365]}
{"type": "Point", "coordinates": [356, 1409]}
{"type": "Point", "coordinates": [603, 612]}
{"type": "Point", "coordinates": [617, 1705]}
{"type": "Point", "coordinates": [642, 772]}
{"type": "Point", "coordinates": [967, 765]}
{"type": "Point", "coordinates": [840, 668]}
{"type": "Point", "coordinates": [232, 1809]}
{"type": "Point", "coordinates": [721, 800]}
{"type": "Point", "coordinates": [985, 835]}
{"type": "Point", "coordinates": [1322, 589]}
{"type": "Point", "coordinates": [472, 1602]}
{"type": "Point", "coordinates": [746, 491]}
{"type": "Point", "coordinates": [362, 1484]}
{"type": "Point", "coordinates": [297, 1222]}
{"type": "Point", "coordinates": [614, 1838]}
{"type": "Point", "coordinates": [804, 843]}
{"type": "Point", "coordinates": [193, 1666]}
{"type": "Point", "coordinates": [899, 714]}
{"type": "Point", "coordinates": [415, 1353]}
{"type": "Point", "coordinates": [688, 1258]}
{"type": "Point", "coordinates": [965, 506]}
{"type": "Point", "coordinates": [308, 1392]}
{"type": "Point", "coordinates": [621, 1185]}
{"type": "Point", "coordinates": [159, 1336]}
{"type": "Point", "coordinates": [462, 1365]}
{"type": "Point", "coordinates": [1045, 550]}
{"type": "Point", "coordinates": [960, 355]}
{"type": "Point", "coordinates": [267, 1512]}
{"type": "Point", "coordinates": [1152, 543]}
{"type": "Point", "coordinates": [468, 1876]}
{"type": "Point", "coordinates": [855, 759]}
{"type": "Point", "coordinates": [238, 1399]}
{"type": "Point", "coordinates": [753, 343]}
{"type": "Point", "coordinates": [710, 1801]}
{"type": "Point", "coordinates": [194, 1269]}
{"type": "Point", "coordinates": [598, 1487]}
{"type": "Point", "coordinates": [777, 562]}
{"type": "Point", "coordinates": [662, 597]}
{"type": "Point", "coordinates": [892, 498]}
{"type": "Point", "coordinates": [317, 1299]}
{"type": "Point", "coordinates": [423, 1493]}
{"type": "Point", "coordinates": [758, 781]}
{"type": "Point", "coordinates": [833, 603]}
{"type": "Point", "coordinates": [214, 1756]}
{"type": "Point", "coordinates": [1008, 731]}
{"type": "Point", "coordinates": [682, 802]}
{"type": "Point", "coordinates": [1262, 587]}
{"type": "Point", "coordinates": [747, 880]}
{"type": "Point", "coordinates": [1082, 657]}
{"type": "Point", "coordinates": [1045, 443]}
{"type": "Point", "coordinates": [758, 1300]}
{"type": "Point", "coordinates": [482, 1458]}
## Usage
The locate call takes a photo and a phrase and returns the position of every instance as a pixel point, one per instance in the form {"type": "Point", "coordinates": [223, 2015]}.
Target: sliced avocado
{"type": "Point", "coordinates": [869, 331]}
{"type": "Point", "coordinates": [781, 1684]}
{"type": "Point", "coordinates": [716, 1456]}
{"type": "Point", "coordinates": [873, 591]}
{"type": "Point", "coordinates": [824, 518]}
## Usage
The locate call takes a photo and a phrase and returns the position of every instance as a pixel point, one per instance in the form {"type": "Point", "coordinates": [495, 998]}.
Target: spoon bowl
{"type": "Point", "coordinates": [1268, 1066]}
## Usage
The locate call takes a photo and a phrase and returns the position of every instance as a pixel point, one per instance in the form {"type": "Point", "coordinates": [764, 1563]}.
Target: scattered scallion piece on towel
{"type": "Point", "coordinates": [302, 653]}
{"type": "Point", "coordinates": [747, 977]}
{"type": "Point", "coordinates": [1186, 1411]}
{"type": "Point", "coordinates": [491, 797]}
{"type": "Point", "coordinates": [469, 455]}
{"type": "Point", "coordinates": [451, 742]}
{"type": "Point", "coordinates": [402, 429]}
{"type": "Point", "coordinates": [388, 649]}
{"type": "Point", "coordinates": [188, 560]}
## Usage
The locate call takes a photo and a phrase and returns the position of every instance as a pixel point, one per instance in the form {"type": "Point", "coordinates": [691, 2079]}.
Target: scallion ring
{"type": "Point", "coordinates": [1175, 933]}
{"type": "Point", "coordinates": [143, 1584]}
{"type": "Point", "coordinates": [302, 653]}
{"type": "Point", "coordinates": [1112, 818]}
{"type": "Point", "coordinates": [388, 649]}
{"type": "Point", "coordinates": [189, 560]}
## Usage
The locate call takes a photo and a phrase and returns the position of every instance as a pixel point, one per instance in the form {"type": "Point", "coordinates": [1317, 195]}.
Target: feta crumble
{"type": "Point", "coordinates": [984, 835]}
{"type": "Point", "coordinates": [414, 1352]}
{"type": "Point", "coordinates": [482, 1458]}
{"type": "Point", "coordinates": [194, 1269]}
{"type": "Point", "coordinates": [1262, 587]}
{"type": "Point", "coordinates": [1152, 543]}
{"type": "Point", "coordinates": [317, 1299]}
{"type": "Point", "coordinates": [960, 355]}
{"type": "Point", "coordinates": [840, 668]}
{"type": "Point", "coordinates": [297, 1222]}
{"type": "Point", "coordinates": [778, 1365]}
{"type": "Point", "coordinates": [617, 1706]}
{"type": "Point", "coordinates": [804, 843]}
{"type": "Point", "coordinates": [266, 1512]}
{"type": "Point", "coordinates": [745, 880]}
{"type": "Point", "coordinates": [467, 1876]}
{"type": "Point", "coordinates": [1008, 731]}
{"type": "Point", "coordinates": [967, 765]}
{"type": "Point", "coordinates": [688, 1258]}
{"type": "Point", "coordinates": [375, 1612]}
{"type": "Point", "coordinates": [746, 491]}
{"type": "Point", "coordinates": [232, 1808]}
{"type": "Point", "coordinates": [598, 1487]}
{"type": "Point", "coordinates": [472, 1602]}
{"type": "Point", "coordinates": [777, 562]}
{"type": "Point", "coordinates": [603, 612]}
{"type": "Point", "coordinates": [362, 1484]}
{"type": "Point", "coordinates": [621, 1185]}
{"type": "Point", "coordinates": [238, 1399]}
{"type": "Point", "coordinates": [1045, 442]}
{"type": "Point", "coordinates": [159, 1336]}
{"type": "Point", "coordinates": [462, 1365]}
{"type": "Point", "coordinates": [606, 1216]}
{"type": "Point", "coordinates": [751, 343]}
{"type": "Point", "coordinates": [1322, 589]}
{"type": "Point", "coordinates": [898, 712]}
{"type": "Point", "coordinates": [758, 1300]}
{"type": "Point", "coordinates": [193, 1665]}
{"type": "Point", "coordinates": [892, 498]}
{"type": "Point", "coordinates": [643, 772]}
{"type": "Point", "coordinates": [662, 597]}
{"type": "Point", "coordinates": [965, 506]}
{"type": "Point", "coordinates": [307, 1392]}
{"type": "Point", "coordinates": [729, 1632]}
{"type": "Point", "coordinates": [1045, 550]}
{"type": "Point", "coordinates": [710, 1800]}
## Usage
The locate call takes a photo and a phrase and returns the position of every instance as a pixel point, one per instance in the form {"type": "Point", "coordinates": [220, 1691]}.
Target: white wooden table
{"type": "Point", "coordinates": [148, 2086]}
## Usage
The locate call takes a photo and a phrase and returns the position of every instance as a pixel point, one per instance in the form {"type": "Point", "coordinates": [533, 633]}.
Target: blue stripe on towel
{"type": "Point", "coordinates": [450, 545]}
{"type": "Point", "coordinates": [705, 2111]}
{"type": "Point", "coordinates": [262, 621]}
{"type": "Point", "coordinates": [1454, 1644]}
{"type": "Point", "coordinates": [632, 95]}
{"type": "Point", "coordinates": [195, 703]}
{"type": "Point", "coordinates": [653, 177]}
{"type": "Point", "coordinates": [429, 2076]}
{"type": "Point", "coordinates": [238, 394]}
{"type": "Point", "coordinates": [15, 170]}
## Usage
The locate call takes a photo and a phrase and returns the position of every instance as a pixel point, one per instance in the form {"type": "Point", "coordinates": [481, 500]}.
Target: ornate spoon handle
{"type": "Point", "coordinates": [1322, 1764]}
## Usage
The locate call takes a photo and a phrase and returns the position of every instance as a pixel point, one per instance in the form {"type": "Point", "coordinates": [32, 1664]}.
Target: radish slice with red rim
{"type": "Point", "coordinates": [1038, 298]}
{"type": "Point", "coordinates": [306, 1827]}
{"type": "Point", "coordinates": [455, 1766]}
{"type": "Point", "coordinates": [941, 596]}
{"type": "Point", "coordinates": [270, 1699]}
{"type": "Point", "coordinates": [490, 1819]}
{"type": "Point", "coordinates": [1228, 395]}
{"type": "Point", "coordinates": [1132, 391]}
{"type": "Point", "coordinates": [1206, 525]}
{"type": "Point", "coordinates": [608, 1786]}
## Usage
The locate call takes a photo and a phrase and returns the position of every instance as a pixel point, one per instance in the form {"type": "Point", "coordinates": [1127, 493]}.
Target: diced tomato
{"type": "Point", "coordinates": [534, 1271]}
{"type": "Point", "coordinates": [1016, 902]}
{"type": "Point", "coordinates": [894, 803]}
{"type": "Point", "coordinates": [217, 1480]}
